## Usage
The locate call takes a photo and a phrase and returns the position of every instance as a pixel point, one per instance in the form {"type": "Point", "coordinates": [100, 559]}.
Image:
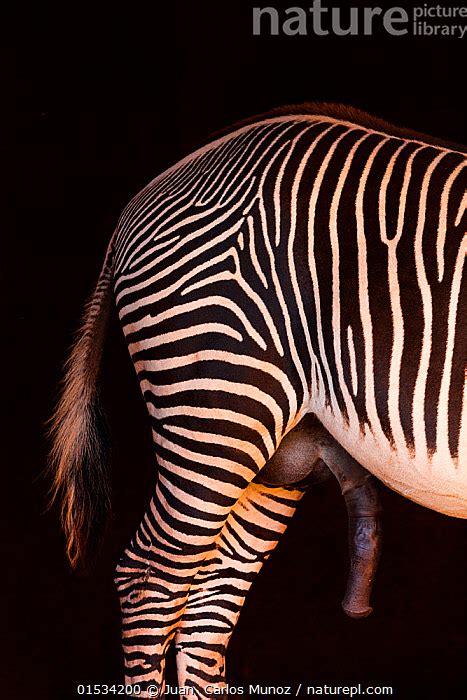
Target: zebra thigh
{"type": "Point", "coordinates": [217, 594]}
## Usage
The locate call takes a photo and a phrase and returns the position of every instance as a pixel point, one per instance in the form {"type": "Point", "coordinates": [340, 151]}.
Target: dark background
{"type": "Point", "coordinates": [95, 104]}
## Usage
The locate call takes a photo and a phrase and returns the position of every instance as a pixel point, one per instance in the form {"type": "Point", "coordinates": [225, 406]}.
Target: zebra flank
{"type": "Point", "coordinates": [305, 263]}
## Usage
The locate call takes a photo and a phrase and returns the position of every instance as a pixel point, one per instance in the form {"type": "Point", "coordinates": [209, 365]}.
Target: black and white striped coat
{"type": "Point", "coordinates": [308, 261]}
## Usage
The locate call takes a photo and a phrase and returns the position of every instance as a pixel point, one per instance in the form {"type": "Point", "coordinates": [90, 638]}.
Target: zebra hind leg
{"type": "Point", "coordinates": [155, 572]}
{"type": "Point", "coordinates": [217, 594]}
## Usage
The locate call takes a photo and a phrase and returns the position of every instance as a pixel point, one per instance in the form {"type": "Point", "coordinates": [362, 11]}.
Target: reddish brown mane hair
{"type": "Point", "coordinates": [345, 113]}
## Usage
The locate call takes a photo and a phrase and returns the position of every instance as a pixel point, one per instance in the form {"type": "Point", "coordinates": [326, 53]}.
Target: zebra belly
{"type": "Point", "coordinates": [435, 481]}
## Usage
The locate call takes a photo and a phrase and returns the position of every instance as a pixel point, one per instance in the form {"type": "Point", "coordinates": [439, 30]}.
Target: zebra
{"type": "Point", "coordinates": [291, 298]}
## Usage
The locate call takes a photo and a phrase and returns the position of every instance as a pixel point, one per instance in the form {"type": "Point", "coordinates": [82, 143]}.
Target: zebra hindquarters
{"type": "Point", "coordinates": [218, 592]}
{"type": "Point", "coordinates": [220, 400]}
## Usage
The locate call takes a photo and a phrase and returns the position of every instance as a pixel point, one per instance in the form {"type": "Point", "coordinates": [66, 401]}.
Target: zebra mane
{"type": "Point", "coordinates": [345, 113]}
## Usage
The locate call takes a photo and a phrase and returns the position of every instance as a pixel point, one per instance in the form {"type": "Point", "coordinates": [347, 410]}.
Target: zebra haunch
{"type": "Point", "coordinates": [299, 275]}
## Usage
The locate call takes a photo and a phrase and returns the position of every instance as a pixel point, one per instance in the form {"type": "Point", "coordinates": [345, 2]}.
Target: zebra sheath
{"type": "Point", "coordinates": [306, 262]}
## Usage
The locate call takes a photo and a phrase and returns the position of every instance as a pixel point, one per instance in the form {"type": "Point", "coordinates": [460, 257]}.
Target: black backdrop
{"type": "Point", "coordinates": [95, 103]}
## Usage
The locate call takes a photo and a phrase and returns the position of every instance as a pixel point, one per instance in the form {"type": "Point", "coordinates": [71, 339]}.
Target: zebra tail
{"type": "Point", "coordinates": [78, 432]}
